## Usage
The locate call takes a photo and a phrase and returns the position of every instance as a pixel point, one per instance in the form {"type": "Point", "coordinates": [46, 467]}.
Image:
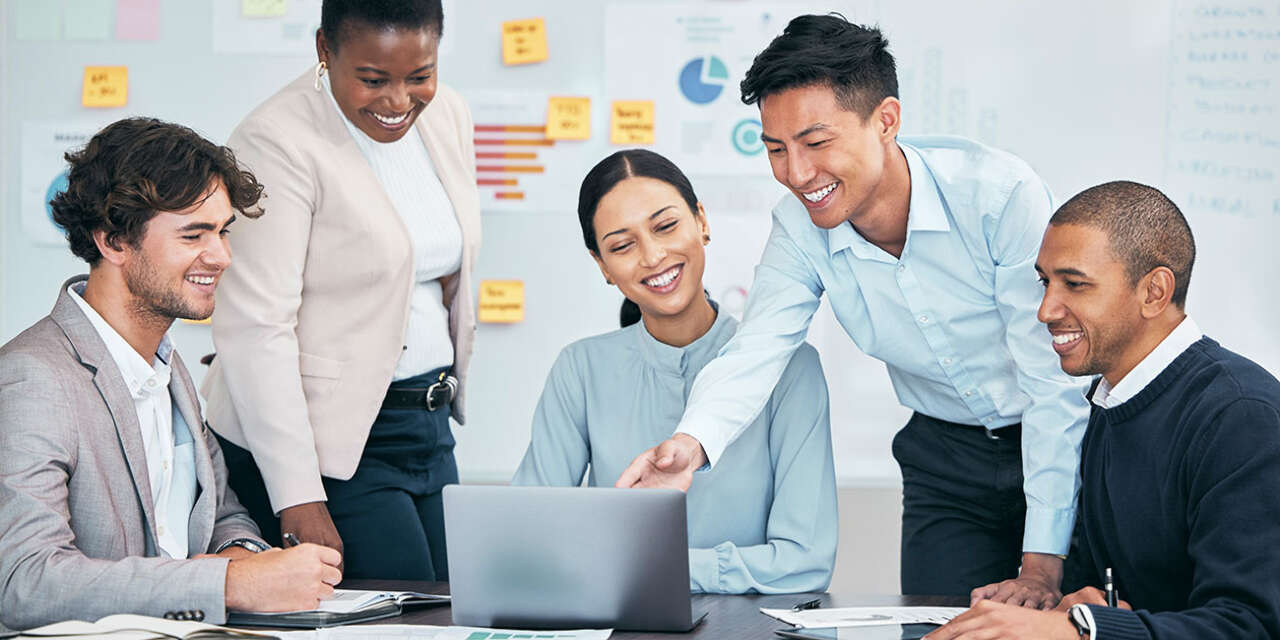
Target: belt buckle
{"type": "Point", "coordinates": [432, 402]}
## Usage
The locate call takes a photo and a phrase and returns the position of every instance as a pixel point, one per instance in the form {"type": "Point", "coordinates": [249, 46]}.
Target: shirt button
{"type": "Point", "coordinates": [968, 393]}
{"type": "Point", "coordinates": [924, 319]}
{"type": "Point", "coordinates": [901, 268]}
{"type": "Point", "coordinates": [987, 420]}
{"type": "Point", "coordinates": [160, 529]}
{"type": "Point", "coordinates": [946, 361]}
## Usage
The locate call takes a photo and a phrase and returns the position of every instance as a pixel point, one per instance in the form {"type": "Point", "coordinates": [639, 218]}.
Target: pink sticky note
{"type": "Point", "coordinates": [138, 19]}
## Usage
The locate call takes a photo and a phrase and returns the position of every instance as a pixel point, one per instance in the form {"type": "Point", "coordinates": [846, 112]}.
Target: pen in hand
{"type": "Point", "coordinates": [291, 540]}
{"type": "Point", "coordinates": [1110, 588]}
{"type": "Point", "coordinates": [808, 604]}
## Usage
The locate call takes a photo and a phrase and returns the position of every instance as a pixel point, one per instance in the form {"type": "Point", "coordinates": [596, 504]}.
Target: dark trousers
{"type": "Point", "coordinates": [963, 508]}
{"type": "Point", "coordinates": [389, 515]}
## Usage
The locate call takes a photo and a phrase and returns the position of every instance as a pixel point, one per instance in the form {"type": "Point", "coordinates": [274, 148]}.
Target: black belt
{"type": "Point", "coordinates": [439, 394]}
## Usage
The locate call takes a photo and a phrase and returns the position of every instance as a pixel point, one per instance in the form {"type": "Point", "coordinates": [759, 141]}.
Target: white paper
{"type": "Point", "coordinates": [864, 616]}
{"type": "Point", "coordinates": [428, 632]}
{"type": "Point", "coordinates": [122, 627]}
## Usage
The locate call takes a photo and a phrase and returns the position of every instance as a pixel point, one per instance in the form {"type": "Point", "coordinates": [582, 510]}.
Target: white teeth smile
{"type": "Point", "coordinates": [388, 120]}
{"type": "Point", "coordinates": [200, 279]}
{"type": "Point", "coordinates": [1064, 338]}
{"type": "Point", "coordinates": [663, 279]}
{"type": "Point", "coordinates": [815, 196]}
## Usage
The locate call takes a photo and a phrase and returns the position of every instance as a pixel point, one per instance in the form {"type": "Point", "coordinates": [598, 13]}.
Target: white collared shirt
{"type": "Point", "coordinates": [166, 438]}
{"type": "Point", "coordinates": [1182, 336]}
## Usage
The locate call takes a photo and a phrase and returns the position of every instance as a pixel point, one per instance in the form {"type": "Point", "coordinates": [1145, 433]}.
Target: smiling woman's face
{"type": "Point", "coordinates": [651, 245]}
{"type": "Point", "coordinates": [382, 79]}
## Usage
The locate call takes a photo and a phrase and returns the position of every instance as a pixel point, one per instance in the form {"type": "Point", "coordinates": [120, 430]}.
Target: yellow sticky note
{"type": "Point", "coordinates": [524, 41]}
{"type": "Point", "coordinates": [632, 122]}
{"type": "Point", "coordinates": [263, 8]}
{"type": "Point", "coordinates": [105, 86]}
{"type": "Point", "coordinates": [569, 118]}
{"type": "Point", "coordinates": [501, 301]}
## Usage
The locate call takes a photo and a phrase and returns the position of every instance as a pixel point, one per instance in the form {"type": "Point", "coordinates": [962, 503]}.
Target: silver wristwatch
{"type": "Point", "coordinates": [1082, 617]}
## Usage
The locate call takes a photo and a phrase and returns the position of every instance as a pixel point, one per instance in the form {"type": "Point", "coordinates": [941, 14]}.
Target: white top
{"type": "Point", "coordinates": [405, 171]}
{"type": "Point", "coordinates": [171, 462]}
{"type": "Point", "coordinates": [1182, 336]}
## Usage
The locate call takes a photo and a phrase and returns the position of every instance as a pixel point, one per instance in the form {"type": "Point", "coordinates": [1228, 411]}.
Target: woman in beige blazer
{"type": "Point", "coordinates": [344, 329]}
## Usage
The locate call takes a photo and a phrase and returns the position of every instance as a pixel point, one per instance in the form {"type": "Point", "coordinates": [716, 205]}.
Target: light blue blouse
{"type": "Point", "coordinates": [763, 519]}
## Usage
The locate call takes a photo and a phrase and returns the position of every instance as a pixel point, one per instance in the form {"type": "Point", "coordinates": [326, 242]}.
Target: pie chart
{"type": "Point", "coordinates": [702, 79]}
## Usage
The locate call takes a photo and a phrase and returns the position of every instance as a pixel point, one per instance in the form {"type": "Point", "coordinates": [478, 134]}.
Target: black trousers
{"type": "Point", "coordinates": [963, 507]}
{"type": "Point", "coordinates": [390, 514]}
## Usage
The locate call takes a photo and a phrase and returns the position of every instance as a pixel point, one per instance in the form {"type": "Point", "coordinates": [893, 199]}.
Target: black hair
{"type": "Point", "coordinates": [853, 60]}
{"type": "Point", "coordinates": [136, 168]}
{"type": "Point", "coordinates": [602, 178]}
{"type": "Point", "coordinates": [1144, 228]}
{"type": "Point", "coordinates": [337, 16]}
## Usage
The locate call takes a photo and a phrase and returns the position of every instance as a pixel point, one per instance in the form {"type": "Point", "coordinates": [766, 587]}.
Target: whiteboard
{"type": "Point", "coordinates": [1181, 95]}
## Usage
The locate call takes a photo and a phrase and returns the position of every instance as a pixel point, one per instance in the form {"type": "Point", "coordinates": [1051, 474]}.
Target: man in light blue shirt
{"type": "Point", "coordinates": [927, 249]}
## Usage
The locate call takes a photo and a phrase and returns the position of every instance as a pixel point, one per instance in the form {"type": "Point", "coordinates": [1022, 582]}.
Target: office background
{"type": "Point", "coordinates": [1181, 94]}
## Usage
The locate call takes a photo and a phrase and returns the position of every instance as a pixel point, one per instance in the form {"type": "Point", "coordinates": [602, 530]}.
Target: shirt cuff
{"type": "Point", "coordinates": [1113, 623]}
{"type": "Point", "coordinates": [704, 571]}
{"type": "Point", "coordinates": [1048, 531]}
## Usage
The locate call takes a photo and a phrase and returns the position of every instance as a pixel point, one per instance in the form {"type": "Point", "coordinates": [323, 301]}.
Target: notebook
{"type": "Point", "coordinates": [134, 627]}
{"type": "Point", "coordinates": [347, 606]}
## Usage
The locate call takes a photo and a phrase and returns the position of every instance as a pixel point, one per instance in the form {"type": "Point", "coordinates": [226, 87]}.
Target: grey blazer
{"type": "Point", "coordinates": [77, 527]}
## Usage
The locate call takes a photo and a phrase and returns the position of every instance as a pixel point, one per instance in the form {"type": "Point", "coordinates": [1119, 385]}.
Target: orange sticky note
{"type": "Point", "coordinates": [105, 87]}
{"type": "Point", "coordinates": [569, 118]}
{"type": "Point", "coordinates": [631, 122]}
{"type": "Point", "coordinates": [524, 41]}
{"type": "Point", "coordinates": [501, 301]}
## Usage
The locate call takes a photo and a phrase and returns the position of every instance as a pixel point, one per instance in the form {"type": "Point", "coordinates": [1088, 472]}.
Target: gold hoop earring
{"type": "Point", "coordinates": [321, 67]}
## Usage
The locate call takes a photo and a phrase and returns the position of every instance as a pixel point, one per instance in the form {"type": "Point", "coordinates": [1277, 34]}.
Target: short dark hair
{"type": "Point", "coordinates": [1144, 228]}
{"type": "Point", "coordinates": [336, 16]}
{"type": "Point", "coordinates": [136, 168]}
{"type": "Point", "coordinates": [602, 178]}
{"type": "Point", "coordinates": [853, 60]}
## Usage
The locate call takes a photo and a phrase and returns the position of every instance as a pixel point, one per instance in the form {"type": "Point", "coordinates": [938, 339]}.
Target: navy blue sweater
{"type": "Point", "coordinates": [1180, 496]}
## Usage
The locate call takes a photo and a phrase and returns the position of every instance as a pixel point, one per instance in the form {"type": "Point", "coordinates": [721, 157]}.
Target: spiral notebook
{"type": "Point", "coordinates": [347, 606]}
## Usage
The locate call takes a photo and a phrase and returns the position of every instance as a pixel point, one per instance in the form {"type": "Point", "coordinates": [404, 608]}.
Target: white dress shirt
{"type": "Point", "coordinates": [1184, 335]}
{"type": "Point", "coordinates": [166, 438]}
{"type": "Point", "coordinates": [405, 171]}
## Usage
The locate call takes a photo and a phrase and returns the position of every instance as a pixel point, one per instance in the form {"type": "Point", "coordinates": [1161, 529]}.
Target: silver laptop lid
{"type": "Point", "coordinates": [568, 558]}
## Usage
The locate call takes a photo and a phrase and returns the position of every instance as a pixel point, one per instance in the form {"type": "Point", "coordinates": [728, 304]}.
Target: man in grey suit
{"type": "Point", "coordinates": [113, 492]}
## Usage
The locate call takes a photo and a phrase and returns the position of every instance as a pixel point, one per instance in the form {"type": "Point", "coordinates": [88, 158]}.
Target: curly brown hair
{"type": "Point", "coordinates": [136, 168]}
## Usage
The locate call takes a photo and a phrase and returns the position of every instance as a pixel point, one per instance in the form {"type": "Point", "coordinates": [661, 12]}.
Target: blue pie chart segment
{"type": "Point", "coordinates": [59, 184]}
{"type": "Point", "coordinates": [703, 79]}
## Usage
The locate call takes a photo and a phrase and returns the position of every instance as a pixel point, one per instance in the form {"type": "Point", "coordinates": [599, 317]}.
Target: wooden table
{"type": "Point", "coordinates": [736, 617]}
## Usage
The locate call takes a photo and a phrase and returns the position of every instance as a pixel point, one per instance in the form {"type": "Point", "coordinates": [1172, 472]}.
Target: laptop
{"type": "Point", "coordinates": [568, 558]}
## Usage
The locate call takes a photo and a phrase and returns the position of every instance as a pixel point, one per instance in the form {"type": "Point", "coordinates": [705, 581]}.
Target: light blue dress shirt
{"type": "Point", "coordinates": [762, 520]}
{"type": "Point", "coordinates": [954, 320]}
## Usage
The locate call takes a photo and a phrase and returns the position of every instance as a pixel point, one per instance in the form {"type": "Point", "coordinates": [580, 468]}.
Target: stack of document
{"type": "Point", "coordinates": [864, 616]}
{"type": "Point", "coordinates": [345, 607]}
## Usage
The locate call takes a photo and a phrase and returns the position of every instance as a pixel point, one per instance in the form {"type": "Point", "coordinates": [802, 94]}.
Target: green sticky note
{"type": "Point", "coordinates": [478, 635]}
{"type": "Point", "coordinates": [263, 8]}
{"type": "Point", "coordinates": [37, 19]}
{"type": "Point", "coordinates": [500, 636]}
{"type": "Point", "coordinates": [88, 19]}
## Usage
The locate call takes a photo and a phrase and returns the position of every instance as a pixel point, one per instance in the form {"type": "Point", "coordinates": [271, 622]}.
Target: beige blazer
{"type": "Point", "coordinates": [311, 315]}
{"type": "Point", "coordinates": [77, 526]}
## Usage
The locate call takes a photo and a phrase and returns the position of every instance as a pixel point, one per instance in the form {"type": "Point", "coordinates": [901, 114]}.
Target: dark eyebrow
{"type": "Point", "coordinates": [205, 226]}
{"type": "Point", "coordinates": [425, 67]}
{"type": "Point", "coordinates": [651, 216]}
{"type": "Point", "coordinates": [821, 126]}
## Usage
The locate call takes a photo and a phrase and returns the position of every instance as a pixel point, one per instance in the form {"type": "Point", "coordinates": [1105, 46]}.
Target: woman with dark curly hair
{"type": "Point", "coordinates": [344, 331]}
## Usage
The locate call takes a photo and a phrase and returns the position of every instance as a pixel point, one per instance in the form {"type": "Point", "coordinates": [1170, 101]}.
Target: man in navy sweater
{"type": "Point", "coordinates": [1180, 493]}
